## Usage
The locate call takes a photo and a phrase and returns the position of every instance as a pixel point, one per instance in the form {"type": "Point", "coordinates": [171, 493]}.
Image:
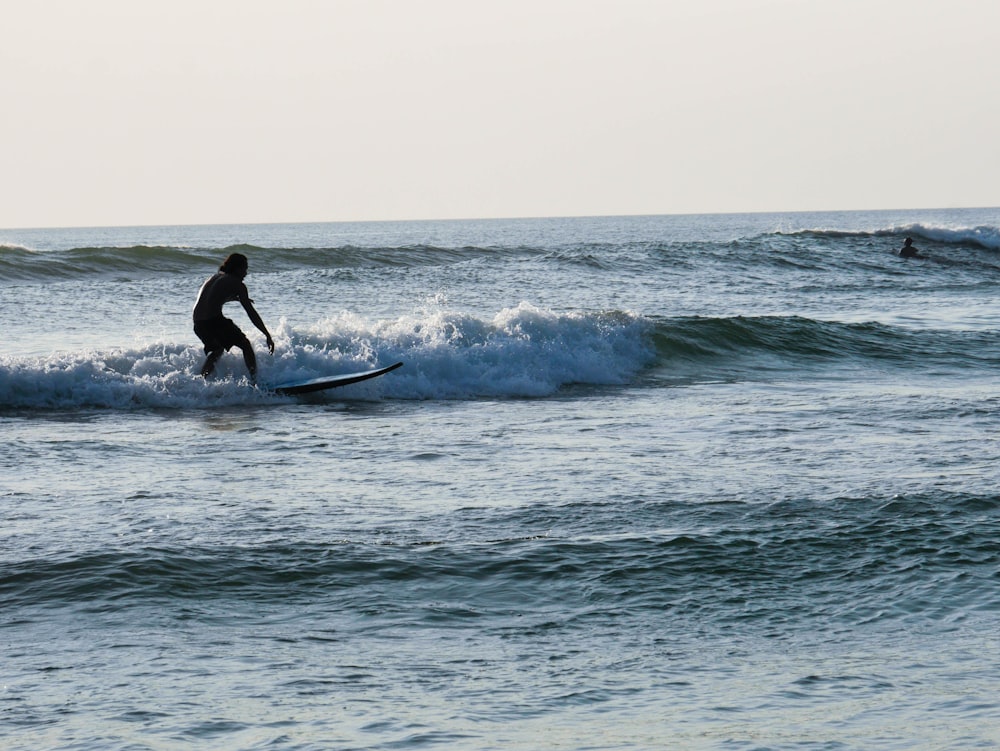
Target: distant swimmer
{"type": "Point", "coordinates": [218, 333]}
{"type": "Point", "coordinates": [908, 251]}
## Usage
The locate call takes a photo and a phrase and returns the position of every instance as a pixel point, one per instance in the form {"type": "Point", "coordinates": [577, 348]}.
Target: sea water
{"type": "Point", "coordinates": [694, 482]}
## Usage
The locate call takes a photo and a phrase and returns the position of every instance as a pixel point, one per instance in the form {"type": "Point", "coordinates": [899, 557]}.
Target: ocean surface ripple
{"type": "Point", "coordinates": [703, 482]}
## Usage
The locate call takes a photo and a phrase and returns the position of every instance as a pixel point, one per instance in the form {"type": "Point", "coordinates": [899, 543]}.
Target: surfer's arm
{"type": "Point", "coordinates": [256, 320]}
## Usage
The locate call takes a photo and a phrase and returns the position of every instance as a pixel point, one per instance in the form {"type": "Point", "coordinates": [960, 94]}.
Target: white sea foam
{"type": "Point", "coordinates": [984, 235]}
{"type": "Point", "coordinates": [523, 351]}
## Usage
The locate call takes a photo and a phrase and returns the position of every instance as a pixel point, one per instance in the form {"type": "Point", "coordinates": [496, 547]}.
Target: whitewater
{"type": "Point", "coordinates": [701, 482]}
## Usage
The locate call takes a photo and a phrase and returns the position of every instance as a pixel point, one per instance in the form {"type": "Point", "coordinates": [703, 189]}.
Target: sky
{"type": "Point", "coordinates": [117, 112]}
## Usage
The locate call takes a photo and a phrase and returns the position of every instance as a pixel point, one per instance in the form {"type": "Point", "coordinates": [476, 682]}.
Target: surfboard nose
{"type": "Point", "coordinates": [331, 382]}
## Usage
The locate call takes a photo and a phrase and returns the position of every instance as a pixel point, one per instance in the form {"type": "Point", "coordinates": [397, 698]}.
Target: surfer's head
{"type": "Point", "coordinates": [235, 263]}
{"type": "Point", "coordinates": [908, 241]}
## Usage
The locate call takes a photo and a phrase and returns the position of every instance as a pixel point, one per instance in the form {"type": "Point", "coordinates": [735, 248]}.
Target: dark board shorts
{"type": "Point", "coordinates": [220, 334]}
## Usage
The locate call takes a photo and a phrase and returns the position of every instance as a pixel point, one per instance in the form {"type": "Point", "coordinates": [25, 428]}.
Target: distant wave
{"type": "Point", "coordinates": [521, 352]}
{"type": "Point", "coordinates": [22, 263]}
{"type": "Point", "coordinates": [25, 264]}
{"type": "Point", "coordinates": [984, 236]}
{"type": "Point", "coordinates": [767, 341]}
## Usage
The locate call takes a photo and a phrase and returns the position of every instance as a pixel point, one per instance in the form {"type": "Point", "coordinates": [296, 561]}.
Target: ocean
{"type": "Point", "coordinates": [686, 482]}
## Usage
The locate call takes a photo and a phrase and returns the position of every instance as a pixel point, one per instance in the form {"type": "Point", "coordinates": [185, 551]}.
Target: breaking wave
{"type": "Point", "coordinates": [521, 352]}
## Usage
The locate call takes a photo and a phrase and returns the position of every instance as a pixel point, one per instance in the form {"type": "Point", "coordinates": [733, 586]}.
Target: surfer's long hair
{"type": "Point", "coordinates": [234, 263]}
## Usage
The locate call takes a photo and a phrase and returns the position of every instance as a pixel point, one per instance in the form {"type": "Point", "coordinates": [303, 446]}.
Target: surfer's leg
{"type": "Point", "coordinates": [251, 361]}
{"type": "Point", "coordinates": [209, 366]}
{"type": "Point", "coordinates": [249, 357]}
{"type": "Point", "coordinates": [211, 334]}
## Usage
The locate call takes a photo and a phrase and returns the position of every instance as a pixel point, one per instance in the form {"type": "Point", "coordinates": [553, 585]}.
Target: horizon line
{"type": "Point", "coordinates": [525, 217]}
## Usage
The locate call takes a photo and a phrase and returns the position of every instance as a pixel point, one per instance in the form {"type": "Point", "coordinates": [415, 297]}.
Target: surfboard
{"type": "Point", "coordinates": [330, 382]}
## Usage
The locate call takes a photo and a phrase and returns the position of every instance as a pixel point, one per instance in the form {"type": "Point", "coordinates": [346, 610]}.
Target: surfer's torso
{"type": "Point", "coordinates": [216, 292]}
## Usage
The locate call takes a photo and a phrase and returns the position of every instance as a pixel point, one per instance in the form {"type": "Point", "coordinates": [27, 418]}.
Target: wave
{"type": "Point", "coordinates": [18, 262]}
{"type": "Point", "coordinates": [983, 236]}
{"type": "Point", "coordinates": [858, 559]}
{"type": "Point", "coordinates": [521, 352]}
{"type": "Point", "coordinates": [21, 263]}
{"type": "Point", "coordinates": [802, 341]}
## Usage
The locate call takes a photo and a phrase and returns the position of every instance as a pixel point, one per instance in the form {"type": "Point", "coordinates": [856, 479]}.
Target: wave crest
{"type": "Point", "coordinates": [983, 236]}
{"type": "Point", "coordinates": [21, 263]}
{"type": "Point", "coordinates": [520, 352]}
{"type": "Point", "coordinates": [523, 351]}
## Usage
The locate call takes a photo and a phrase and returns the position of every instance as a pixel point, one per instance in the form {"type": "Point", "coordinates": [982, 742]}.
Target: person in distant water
{"type": "Point", "coordinates": [908, 251]}
{"type": "Point", "coordinates": [218, 332]}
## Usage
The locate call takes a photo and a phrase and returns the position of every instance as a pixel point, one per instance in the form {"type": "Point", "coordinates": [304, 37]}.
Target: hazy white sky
{"type": "Point", "coordinates": [203, 111]}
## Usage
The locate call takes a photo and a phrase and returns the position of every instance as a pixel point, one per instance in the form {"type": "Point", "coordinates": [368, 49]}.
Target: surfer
{"type": "Point", "coordinates": [218, 333]}
{"type": "Point", "coordinates": [908, 251]}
